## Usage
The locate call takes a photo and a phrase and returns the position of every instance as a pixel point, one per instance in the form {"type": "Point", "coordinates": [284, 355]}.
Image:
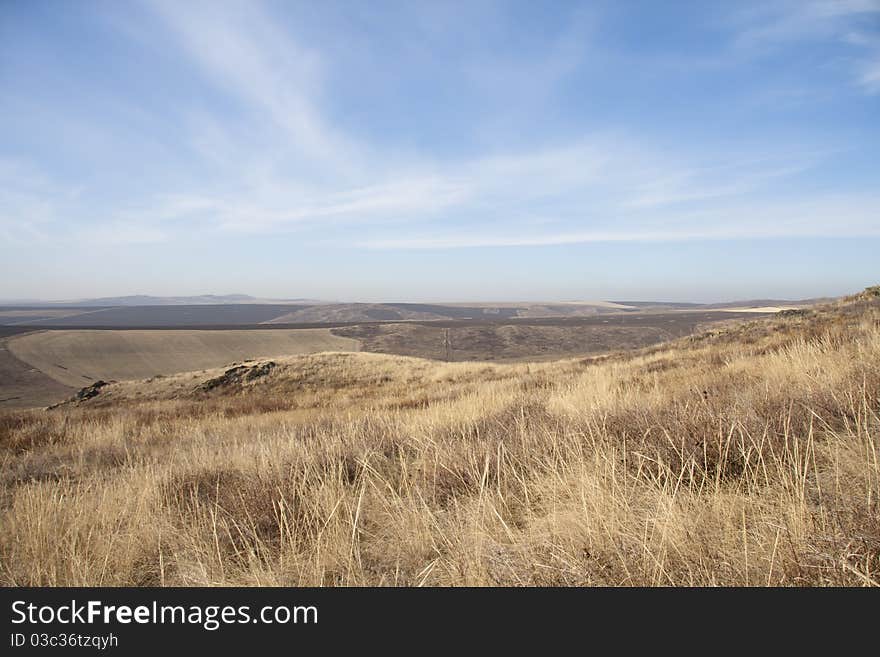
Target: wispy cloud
{"type": "Point", "coordinates": [689, 186]}
{"type": "Point", "coordinates": [245, 52]}
{"type": "Point", "coordinates": [280, 163]}
{"type": "Point", "coordinates": [828, 217]}
{"type": "Point", "coordinates": [588, 184]}
{"type": "Point", "coordinates": [118, 233]}
{"type": "Point", "coordinates": [870, 76]}
{"type": "Point", "coordinates": [771, 26]}
{"type": "Point", "coordinates": [29, 202]}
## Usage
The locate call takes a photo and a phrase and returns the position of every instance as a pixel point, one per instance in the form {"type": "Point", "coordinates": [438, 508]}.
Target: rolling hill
{"type": "Point", "coordinates": [746, 454]}
{"type": "Point", "coordinates": [78, 358]}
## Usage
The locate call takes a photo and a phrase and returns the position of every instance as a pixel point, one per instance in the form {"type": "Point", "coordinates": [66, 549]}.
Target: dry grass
{"type": "Point", "coordinates": [746, 456]}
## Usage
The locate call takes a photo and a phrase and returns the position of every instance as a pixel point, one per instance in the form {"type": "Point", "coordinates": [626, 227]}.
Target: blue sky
{"type": "Point", "coordinates": [440, 151]}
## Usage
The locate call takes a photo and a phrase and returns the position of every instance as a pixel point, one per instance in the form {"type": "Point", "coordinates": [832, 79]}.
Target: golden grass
{"type": "Point", "coordinates": [746, 456]}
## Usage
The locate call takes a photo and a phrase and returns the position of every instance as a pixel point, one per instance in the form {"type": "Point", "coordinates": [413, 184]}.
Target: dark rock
{"type": "Point", "coordinates": [91, 391]}
{"type": "Point", "coordinates": [238, 375]}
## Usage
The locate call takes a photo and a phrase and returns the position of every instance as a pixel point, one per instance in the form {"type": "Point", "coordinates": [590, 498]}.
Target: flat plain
{"type": "Point", "coordinates": [184, 315]}
{"type": "Point", "coordinates": [164, 316]}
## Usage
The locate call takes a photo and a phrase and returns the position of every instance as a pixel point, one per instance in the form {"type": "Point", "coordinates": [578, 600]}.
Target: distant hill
{"type": "Point", "coordinates": [147, 300]}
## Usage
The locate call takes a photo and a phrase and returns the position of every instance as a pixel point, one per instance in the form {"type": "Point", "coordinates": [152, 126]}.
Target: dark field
{"type": "Point", "coordinates": [675, 323]}
{"type": "Point", "coordinates": [231, 314]}
{"type": "Point", "coordinates": [455, 312]}
{"type": "Point", "coordinates": [499, 342]}
{"type": "Point", "coordinates": [168, 316]}
{"type": "Point", "coordinates": [529, 338]}
{"type": "Point", "coordinates": [202, 315]}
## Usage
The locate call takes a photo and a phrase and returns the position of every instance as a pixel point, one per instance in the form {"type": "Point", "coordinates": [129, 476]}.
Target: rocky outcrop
{"type": "Point", "coordinates": [238, 375]}
{"type": "Point", "coordinates": [90, 391]}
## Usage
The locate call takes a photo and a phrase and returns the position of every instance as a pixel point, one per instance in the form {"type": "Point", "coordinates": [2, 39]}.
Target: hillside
{"type": "Point", "coordinates": [34, 359]}
{"type": "Point", "coordinates": [78, 358]}
{"type": "Point", "coordinates": [748, 454]}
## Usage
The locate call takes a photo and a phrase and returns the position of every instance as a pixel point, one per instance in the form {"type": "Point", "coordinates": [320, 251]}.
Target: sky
{"type": "Point", "coordinates": [439, 151]}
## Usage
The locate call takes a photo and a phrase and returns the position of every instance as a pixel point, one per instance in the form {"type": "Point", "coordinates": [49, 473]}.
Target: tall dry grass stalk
{"type": "Point", "coordinates": [744, 457]}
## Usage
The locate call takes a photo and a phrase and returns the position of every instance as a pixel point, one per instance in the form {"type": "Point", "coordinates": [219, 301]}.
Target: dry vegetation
{"type": "Point", "coordinates": [501, 342]}
{"type": "Point", "coordinates": [743, 456]}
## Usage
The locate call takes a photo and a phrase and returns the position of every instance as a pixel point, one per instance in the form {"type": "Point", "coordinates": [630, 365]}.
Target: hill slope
{"type": "Point", "coordinates": [76, 358]}
{"type": "Point", "coordinates": [746, 455]}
